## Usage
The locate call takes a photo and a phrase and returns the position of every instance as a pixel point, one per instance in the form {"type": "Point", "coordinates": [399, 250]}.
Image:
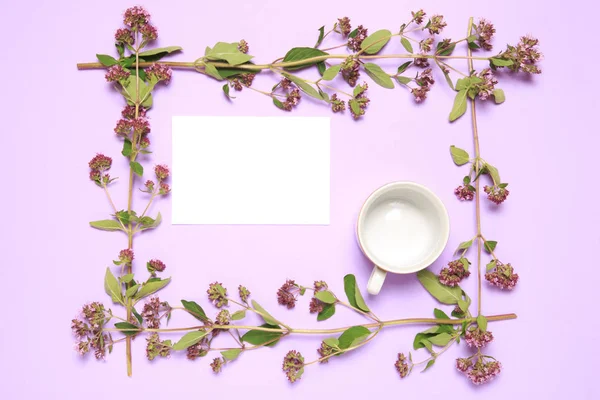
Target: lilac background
{"type": "Point", "coordinates": [544, 141]}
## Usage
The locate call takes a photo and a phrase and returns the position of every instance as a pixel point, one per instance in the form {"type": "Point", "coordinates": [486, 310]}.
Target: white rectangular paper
{"type": "Point", "coordinates": [250, 170]}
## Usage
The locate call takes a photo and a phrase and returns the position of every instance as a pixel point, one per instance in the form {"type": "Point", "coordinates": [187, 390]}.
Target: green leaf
{"type": "Point", "coordinates": [464, 245]}
{"type": "Point", "coordinates": [306, 88]}
{"type": "Point", "coordinates": [498, 96]}
{"type": "Point", "coordinates": [150, 55]}
{"type": "Point", "coordinates": [375, 41]}
{"type": "Point", "coordinates": [195, 309]}
{"type": "Point", "coordinates": [448, 80]}
{"type": "Point", "coordinates": [189, 339]}
{"type": "Point", "coordinates": [131, 87]}
{"type": "Point", "coordinates": [212, 71]}
{"type": "Point", "coordinates": [489, 245]}
{"type": "Point", "coordinates": [264, 314]}
{"type": "Point", "coordinates": [129, 293]}
{"type": "Point", "coordinates": [418, 341]}
{"type": "Point", "coordinates": [149, 223]}
{"type": "Point", "coordinates": [326, 297]}
{"type": "Point", "coordinates": [460, 105]}
{"type": "Point", "coordinates": [257, 337]}
{"type": "Point", "coordinates": [331, 72]}
{"type": "Point", "coordinates": [240, 314]}
{"type": "Point", "coordinates": [106, 60]}
{"type": "Point", "coordinates": [429, 364]}
{"type": "Point", "coordinates": [355, 298]}
{"type": "Point", "coordinates": [332, 342]}
{"type": "Point", "coordinates": [151, 287]}
{"type": "Point", "coordinates": [126, 148]}
{"type": "Point", "coordinates": [231, 355]}
{"type": "Point", "coordinates": [441, 339]}
{"type": "Point", "coordinates": [228, 52]}
{"type": "Point", "coordinates": [112, 287]}
{"type": "Point", "coordinates": [137, 315]}
{"type": "Point", "coordinates": [302, 53]}
{"type": "Point", "coordinates": [493, 171]}
{"type": "Point", "coordinates": [498, 62]}
{"type": "Point", "coordinates": [226, 91]}
{"type": "Point", "coordinates": [352, 335]}
{"type": "Point", "coordinates": [137, 168]}
{"type": "Point", "coordinates": [463, 305]}
{"type": "Point", "coordinates": [447, 50]}
{"type": "Point", "coordinates": [127, 329]}
{"type": "Point", "coordinates": [444, 294]}
{"type": "Point", "coordinates": [321, 35]}
{"type": "Point", "coordinates": [490, 266]}
{"type": "Point", "coordinates": [403, 67]}
{"type": "Point", "coordinates": [327, 312]}
{"type": "Point", "coordinates": [459, 156]}
{"type": "Point", "coordinates": [378, 75]}
{"type": "Point", "coordinates": [482, 322]}
{"type": "Point", "coordinates": [107, 225]}
{"type": "Point", "coordinates": [462, 83]}
{"type": "Point", "coordinates": [126, 278]}
{"type": "Point", "coordinates": [439, 314]}
{"type": "Point", "coordinates": [321, 67]}
{"type": "Point", "coordinates": [406, 44]}
{"type": "Point", "coordinates": [278, 103]}
{"type": "Point", "coordinates": [353, 33]}
{"type": "Point", "coordinates": [403, 80]}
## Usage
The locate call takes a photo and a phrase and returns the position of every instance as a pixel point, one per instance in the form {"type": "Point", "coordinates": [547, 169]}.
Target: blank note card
{"type": "Point", "coordinates": [250, 170]}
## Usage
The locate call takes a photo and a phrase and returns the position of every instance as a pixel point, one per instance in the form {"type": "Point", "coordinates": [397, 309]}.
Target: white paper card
{"type": "Point", "coordinates": [250, 170]}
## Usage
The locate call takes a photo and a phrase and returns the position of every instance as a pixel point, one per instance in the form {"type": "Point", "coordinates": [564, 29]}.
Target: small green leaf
{"type": "Point", "coordinates": [489, 245]}
{"type": "Point", "coordinates": [278, 103]}
{"type": "Point", "coordinates": [257, 337]}
{"type": "Point", "coordinates": [440, 339]}
{"type": "Point", "coordinates": [464, 245]}
{"type": "Point", "coordinates": [498, 62]}
{"type": "Point", "coordinates": [493, 171]}
{"type": "Point", "coordinates": [498, 96]}
{"type": "Point", "coordinates": [112, 287]}
{"type": "Point", "coordinates": [127, 329]}
{"type": "Point", "coordinates": [126, 278]}
{"type": "Point", "coordinates": [429, 364]}
{"type": "Point", "coordinates": [463, 305]}
{"type": "Point", "coordinates": [226, 91]}
{"type": "Point", "coordinates": [355, 298]}
{"type": "Point", "coordinates": [137, 315]}
{"type": "Point", "coordinates": [375, 41]}
{"type": "Point", "coordinates": [126, 148]}
{"type": "Point", "coordinates": [137, 168]}
{"type": "Point", "coordinates": [327, 312]}
{"type": "Point", "coordinates": [332, 342]}
{"type": "Point", "coordinates": [446, 50]}
{"type": "Point", "coordinates": [352, 335]}
{"type": "Point", "coordinates": [231, 355]}
{"type": "Point", "coordinates": [106, 60]}
{"type": "Point", "coordinates": [459, 156]}
{"type": "Point", "coordinates": [490, 266]}
{"type": "Point", "coordinates": [228, 52]}
{"type": "Point", "coordinates": [439, 314]}
{"type": "Point", "coordinates": [444, 294]}
{"type": "Point", "coordinates": [403, 80]}
{"type": "Point", "coordinates": [195, 310]}
{"type": "Point", "coordinates": [448, 80]}
{"type": "Point", "coordinates": [151, 287]}
{"type": "Point", "coordinates": [321, 67]}
{"type": "Point", "coordinates": [305, 87]}
{"type": "Point", "coordinates": [149, 223]}
{"type": "Point", "coordinates": [146, 55]}
{"type": "Point", "coordinates": [107, 225]}
{"type": "Point", "coordinates": [212, 71]}
{"type": "Point", "coordinates": [264, 314]}
{"type": "Point", "coordinates": [462, 83]}
{"type": "Point", "coordinates": [302, 53]}
{"type": "Point", "coordinates": [460, 105]}
{"type": "Point", "coordinates": [331, 72]}
{"type": "Point", "coordinates": [403, 67]}
{"type": "Point", "coordinates": [240, 314]}
{"type": "Point", "coordinates": [482, 322]}
{"type": "Point", "coordinates": [129, 293]}
{"type": "Point", "coordinates": [321, 35]}
{"type": "Point", "coordinates": [418, 341]}
{"type": "Point", "coordinates": [189, 339]}
{"type": "Point", "coordinates": [406, 44]}
{"type": "Point", "coordinates": [378, 75]}
{"type": "Point", "coordinates": [326, 297]}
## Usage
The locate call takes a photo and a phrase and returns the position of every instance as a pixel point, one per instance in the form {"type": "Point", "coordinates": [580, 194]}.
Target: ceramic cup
{"type": "Point", "coordinates": [402, 227]}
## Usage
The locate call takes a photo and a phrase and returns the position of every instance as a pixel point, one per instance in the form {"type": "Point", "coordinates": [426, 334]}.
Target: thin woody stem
{"type": "Point", "coordinates": [348, 349]}
{"type": "Point", "coordinates": [477, 199]}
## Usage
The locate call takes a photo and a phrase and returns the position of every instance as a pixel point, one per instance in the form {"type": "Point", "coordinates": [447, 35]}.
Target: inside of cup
{"type": "Point", "coordinates": [403, 228]}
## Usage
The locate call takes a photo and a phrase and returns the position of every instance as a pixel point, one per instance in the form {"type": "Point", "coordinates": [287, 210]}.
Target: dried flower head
{"type": "Point", "coordinates": [402, 365]}
{"type": "Point", "coordinates": [337, 104]}
{"type": "Point", "coordinates": [425, 45]}
{"type": "Point", "coordinates": [293, 365]}
{"type": "Point", "coordinates": [244, 293]}
{"type": "Point", "coordinates": [159, 73]}
{"type": "Point", "coordinates": [436, 24]}
{"type": "Point", "coordinates": [129, 112]}
{"type": "Point", "coordinates": [454, 272]}
{"type": "Point", "coordinates": [149, 186]}
{"type": "Point", "coordinates": [483, 371]}
{"type": "Point", "coordinates": [286, 294]}
{"type": "Point", "coordinates": [123, 127]}
{"type": "Point", "coordinates": [149, 33]}
{"type": "Point", "coordinates": [156, 347]}
{"type": "Point", "coordinates": [350, 70]}
{"type": "Point", "coordinates": [326, 351]}
{"type": "Point", "coordinates": [497, 193]}
{"type": "Point", "coordinates": [124, 36]}
{"type": "Point", "coordinates": [425, 78]}
{"type": "Point", "coordinates": [524, 56]}
{"type": "Point", "coordinates": [155, 265]}
{"type": "Point", "coordinates": [420, 93]}
{"type": "Point", "coordinates": [502, 276]}
{"type": "Point", "coordinates": [100, 162]}
{"type": "Point", "coordinates": [355, 42]}
{"type": "Point", "coordinates": [475, 337]}
{"type": "Point", "coordinates": [223, 317]}
{"type": "Point", "coordinates": [243, 46]}
{"type": "Point", "coordinates": [126, 256]}
{"type": "Point", "coordinates": [217, 365]}
{"type": "Point", "coordinates": [487, 86]}
{"type": "Point", "coordinates": [116, 73]}
{"type": "Point", "coordinates": [421, 62]}
{"type": "Point", "coordinates": [136, 17]}
{"type": "Point", "coordinates": [292, 99]}
{"type": "Point", "coordinates": [463, 364]}
{"type": "Point", "coordinates": [418, 16]}
{"type": "Point", "coordinates": [359, 103]}
{"type": "Point", "coordinates": [144, 142]}
{"type": "Point", "coordinates": [151, 312]}
{"type": "Point", "coordinates": [217, 294]}
{"type": "Point", "coordinates": [464, 193]}
{"type": "Point", "coordinates": [342, 26]}
{"type": "Point", "coordinates": [199, 349]}
{"type": "Point", "coordinates": [485, 32]}
{"type": "Point", "coordinates": [87, 329]}
{"type": "Point", "coordinates": [140, 126]}
{"type": "Point", "coordinates": [162, 172]}
{"type": "Point", "coordinates": [164, 189]}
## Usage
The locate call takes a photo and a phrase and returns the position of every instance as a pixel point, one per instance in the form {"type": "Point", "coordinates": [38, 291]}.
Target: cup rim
{"type": "Point", "coordinates": [445, 220]}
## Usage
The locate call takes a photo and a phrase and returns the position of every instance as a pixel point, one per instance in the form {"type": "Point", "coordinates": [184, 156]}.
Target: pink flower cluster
{"type": "Point", "coordinates": [287, 293]}
{"type": "Point", "coordinates": [293, 365]}
{"type": "Point", "coordinates": [116, 73]}
{"type": "Point", "coordinates": [502, 276]}
{"type": "Point", "coordinates": [464, 193]}
{"type": "Point", "coordinates": [496, 194]}
{"type": "Point", "coordinates": [98, 165]}
{"type": "Point", "coordinates": [159, 72]}
{"type": "Point", "coordinates": [478, 338]}
{"type": "Point", "coordinates": [87, 329]}
{"type": "Point", "coordinates": [453, 273]}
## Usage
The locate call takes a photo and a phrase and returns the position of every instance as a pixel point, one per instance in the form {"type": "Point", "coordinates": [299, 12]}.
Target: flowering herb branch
{"type": "Point", "coordinates": [136, 73]}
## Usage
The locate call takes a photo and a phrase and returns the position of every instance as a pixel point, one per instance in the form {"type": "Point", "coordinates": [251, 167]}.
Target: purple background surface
{"type": "Point", "coordinates": [543, 139]}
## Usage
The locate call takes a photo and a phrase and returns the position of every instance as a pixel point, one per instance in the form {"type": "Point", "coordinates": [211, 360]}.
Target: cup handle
{"type": "Point", "coordinates": [376, 280]}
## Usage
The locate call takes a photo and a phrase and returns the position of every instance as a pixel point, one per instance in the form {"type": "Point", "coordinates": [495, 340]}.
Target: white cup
{"type": "Point", "coordinates": [402, 227]}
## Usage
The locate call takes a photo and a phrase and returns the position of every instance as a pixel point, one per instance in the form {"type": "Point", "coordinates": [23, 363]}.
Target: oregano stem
{"type": "Point", "coordinates": [477, 191]}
